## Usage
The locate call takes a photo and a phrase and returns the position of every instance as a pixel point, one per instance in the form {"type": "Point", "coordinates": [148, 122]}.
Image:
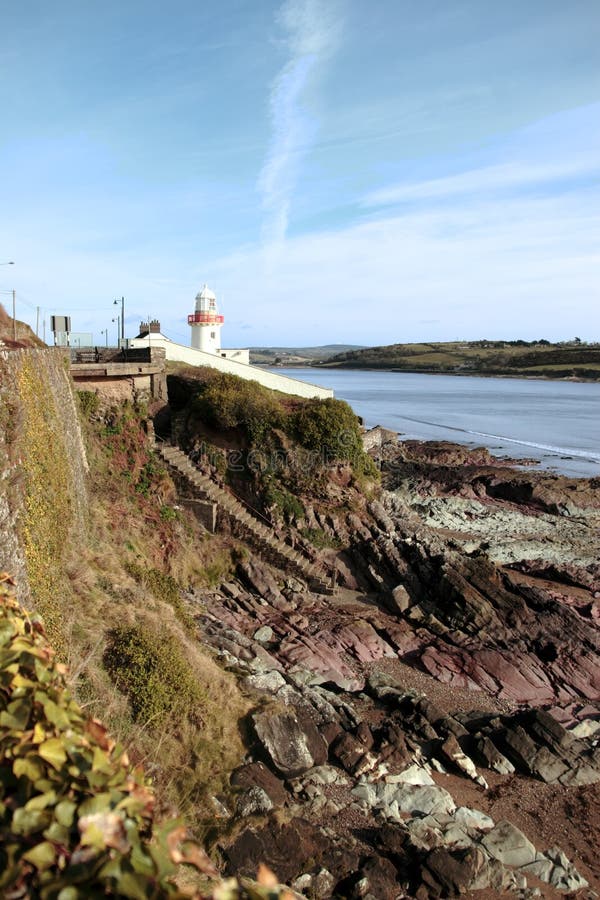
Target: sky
{"type": "Point", "coordinates": [337, 171]}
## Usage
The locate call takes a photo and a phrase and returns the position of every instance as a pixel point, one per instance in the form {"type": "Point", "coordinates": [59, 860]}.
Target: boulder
{"type": "Point", "coordinates": [285, 848]}
{"type": "Point", "coordinates": [415, 774]}
{"type": "Point", "coordinates": [509, 845]}
{"type": "Point", "coordinates": [254, 801]}
{"type": "Point", "coordinates": [378, 878]}
{"type": "Point", "coordinates": [325, 775]}
{"type": "Point", "coordinates": [264, 634]}
{"type": "Point", "coordinates": [353, 755]}
{"type": "Point", "coordinates": [473, 818]}
{"type": "Point", "coordinates": [491, 757]}
{"type": "Point", "coordinates": [269, 682]}
{"type": "Point", "coordinates": [291, 746]}
{"type": "Point", "coordinates": [456, 838]}
{"type": "Point", "coordinates": [424, 799]}
{"type": "Point", "coordinates": [257, 774]}
{"type": "Point", "coordinates": [520, 747]}
{"type": "Point", "coordinates": [453, 753]}
{"type": "Point", "coordinates": [423, 835]}
{"type": "Point", "coordinates": [259, 579]}
{"type": "Point", "coordinates": [400, 598]}
{"type": "Point", "coordinates": [447, 873]}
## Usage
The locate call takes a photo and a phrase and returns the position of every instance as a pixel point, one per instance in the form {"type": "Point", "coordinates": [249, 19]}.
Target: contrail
{"type": "Point", "coordinates": [310, 33]}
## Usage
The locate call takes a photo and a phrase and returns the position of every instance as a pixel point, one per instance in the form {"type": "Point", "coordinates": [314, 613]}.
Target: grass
{"type": "Point", "coordinates": [320, 539]}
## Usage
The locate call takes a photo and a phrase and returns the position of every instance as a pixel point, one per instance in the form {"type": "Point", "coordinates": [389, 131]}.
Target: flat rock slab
{"type": "Point", "coordinates": [405, 798]}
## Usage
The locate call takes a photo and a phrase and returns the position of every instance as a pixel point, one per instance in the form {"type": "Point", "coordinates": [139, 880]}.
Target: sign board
{"type": "Point", "coordinates": [60, 323]}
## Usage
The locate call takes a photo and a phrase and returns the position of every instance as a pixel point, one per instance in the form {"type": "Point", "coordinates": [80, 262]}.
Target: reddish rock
{"type": "Point", "coordinates": [257, 775]}
{"type": "Point", "coordinates": [352, 755]}
{"type": "Point", "coordinates": [283, 847]}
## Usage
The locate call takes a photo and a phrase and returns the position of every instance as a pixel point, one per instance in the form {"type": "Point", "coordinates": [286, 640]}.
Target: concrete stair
{"type": "Point", "coordinates": [260, 535]}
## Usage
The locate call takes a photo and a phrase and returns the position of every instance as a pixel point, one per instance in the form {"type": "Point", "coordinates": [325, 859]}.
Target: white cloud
{"type": "Point", "coordinates": [517, 268]}
{"type": "Point", "coordinates": [522, 268]}
{"type": "Point", "coordinates": [487, 179]}
{"type": "Point", "coordinates": [311, 33]}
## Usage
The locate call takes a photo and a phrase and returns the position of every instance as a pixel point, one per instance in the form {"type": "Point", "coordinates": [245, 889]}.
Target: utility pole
{"type": "Point", "coordinates": [37, 321]}
{"type": "Point", "coordinates": [14, 298]}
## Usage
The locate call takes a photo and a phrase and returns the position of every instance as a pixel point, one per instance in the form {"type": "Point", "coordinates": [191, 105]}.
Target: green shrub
{"type": "Point", "coordinates": [288, 505]}
{"type": "Point", "coordinates": [168, 513]}
{"type": "Point", "coordinates": [320, 539]}
{"type": "Point", "coordinates": [75, 818]}
{"type": "Point", "coordinates": [330, 429]}
{"type": "Point", "coordinates": [153, 673]}
{"type": "Point", "coordinates": [149, 472]}
{"type": "Point", "coordinates": [220, 568]}
{"type": "Point", "coordinates": [89, 403]}
{"type": "Point", "coordinates": [228, 402]}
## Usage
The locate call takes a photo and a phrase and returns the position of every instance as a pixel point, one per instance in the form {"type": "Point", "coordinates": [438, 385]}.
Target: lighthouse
{"type": "Point", "coordinates": [206, 323]}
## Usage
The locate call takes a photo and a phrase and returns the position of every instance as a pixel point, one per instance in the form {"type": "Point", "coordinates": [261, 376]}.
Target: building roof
{"type": "Point", "coordinates": [205, 294]}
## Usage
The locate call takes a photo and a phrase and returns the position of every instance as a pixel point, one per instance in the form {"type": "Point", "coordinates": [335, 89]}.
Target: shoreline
{"type": "Point", "coordinates": [559, 435]}
{"type": "Point", "coordinates": [567, 378]}
{"type": "Point", "coordinates": [572, 379]}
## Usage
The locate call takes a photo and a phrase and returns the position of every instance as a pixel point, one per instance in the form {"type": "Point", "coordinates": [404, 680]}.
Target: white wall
{"type": "Point", "coordinates": [202, 337]}
{"type": "Point", "coordinates": [242, 356]}
{"type": "Point", "coordinates": [180, 353]}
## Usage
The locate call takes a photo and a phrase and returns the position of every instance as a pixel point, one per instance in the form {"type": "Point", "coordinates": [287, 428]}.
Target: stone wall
{"type": "Point", "coordinates": [43, 466]}
{"type": "Point", "coordinates": [118, 380]}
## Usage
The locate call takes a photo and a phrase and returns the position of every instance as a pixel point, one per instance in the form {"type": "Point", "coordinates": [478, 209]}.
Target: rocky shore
{"type": "Point", "coordinates": [431, 728]}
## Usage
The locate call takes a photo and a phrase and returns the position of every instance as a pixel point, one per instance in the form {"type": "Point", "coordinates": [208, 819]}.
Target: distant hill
{"type": "Point", "coordinates": [571, 359]}
{"type": "Point", "coordinates": [298, 356]}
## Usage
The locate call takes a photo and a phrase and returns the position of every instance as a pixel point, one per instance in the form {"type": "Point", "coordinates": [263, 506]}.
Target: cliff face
{"type": "Point", "coordinates": [405, 735]}
{"type": "Point", "coordinates": [93, 543]}
{"type": "Point", "coordinates": [16, 334]}
{"type": "Point", "coordinates": [43, 494]}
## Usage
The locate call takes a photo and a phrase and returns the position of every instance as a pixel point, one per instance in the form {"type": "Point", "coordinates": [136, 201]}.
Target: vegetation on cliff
{"type": "Point", "coordinates": [278, 452]}
{"type": "Point", "coordinates": [147, 675]}
{"type": "Point", "coordinates": [541, 359]}
{"type": "Point", "coordinates": [15, 334]}
{"type": "Point", "coordinates": [115, 552]}
{"type": "Point", "coordinates": [77, 820]}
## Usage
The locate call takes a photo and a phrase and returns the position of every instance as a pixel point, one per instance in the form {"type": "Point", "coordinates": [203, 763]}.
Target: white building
{"type": "Point", "coordinates": [206, 323]}
{"type": "Point", "coordinates": [206, 350]}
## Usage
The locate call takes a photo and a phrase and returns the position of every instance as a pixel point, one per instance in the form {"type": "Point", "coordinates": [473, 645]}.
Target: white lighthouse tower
{"type": "Point", "coordinates": [206, 323]}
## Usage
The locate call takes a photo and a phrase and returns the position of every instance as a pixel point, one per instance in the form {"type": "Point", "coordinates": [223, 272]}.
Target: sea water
{"type": "Point", "coordinates": [554, 422]}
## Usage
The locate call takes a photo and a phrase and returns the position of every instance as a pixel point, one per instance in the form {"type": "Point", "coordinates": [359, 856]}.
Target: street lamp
{"type": "Point", "coordinates": [104, 331]}
{"type": "Point", "coordinates": [122, 302]}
